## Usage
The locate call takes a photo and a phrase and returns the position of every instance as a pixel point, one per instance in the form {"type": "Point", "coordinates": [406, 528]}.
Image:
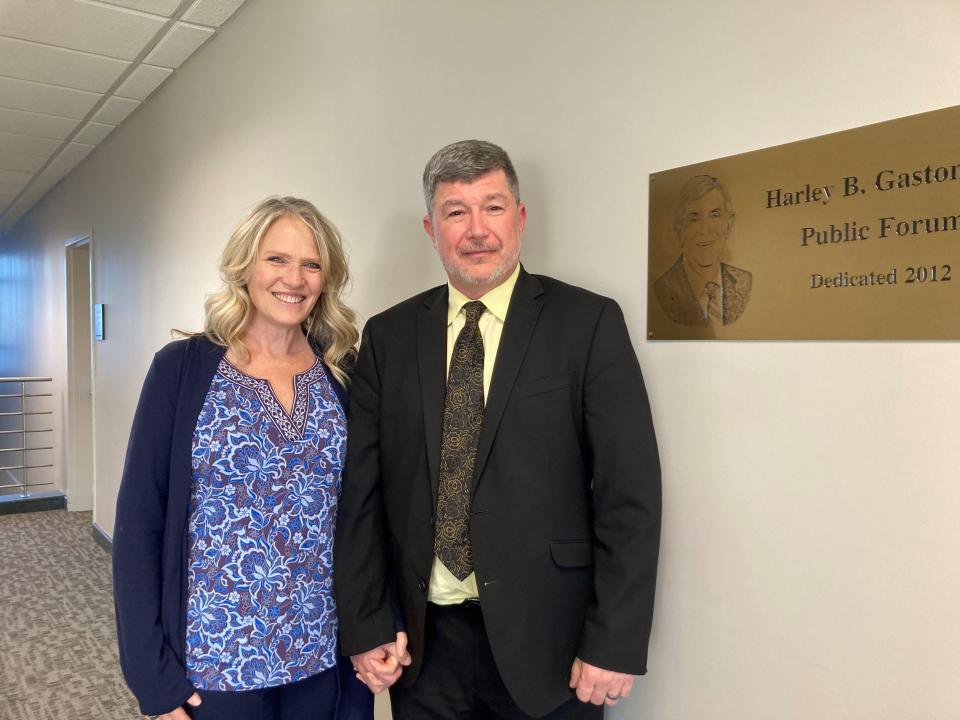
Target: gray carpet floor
{"type": "Point", "coordinates": [58, 644]}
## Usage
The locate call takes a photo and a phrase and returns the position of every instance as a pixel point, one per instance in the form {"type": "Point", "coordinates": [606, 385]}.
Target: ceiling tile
{"type": "Point", "coordinates": [15, 177]}
{"type": "Point", "coordinates": [75, 152]}
{"type": "Point", "coordinates": [41, 185]}
{"type": "Point", "coordinates": [5, 200]}
{"type": "Point", "coordinates": [115, 110]}
{"type": "Point", "coordinates": [178, 44]}
{"type": "Point", "coordinates": [90, 27]}
{"type": "Point", "coordinates": [142, 81]}
{"type": "Point", "coordinates": [211, 12]}
{"type": "Point", "coordinates": [25, 145]}
{"type": "Point", "coordinates": [21, 206]}
{"type": "Point", "coordinates": [37, 97]}
{"type": "Point", "coordinates": [158, 7]}
{"type": "Point", "coordinates": [35, 124]}
{"type": "Point", "coordinates": [7, 188]}
{"type": "Point", "coordinates": [61, 167]}
{"type": "Point", "coordinates": [31, 199]}
{"type": "Point", "coordinates": [26, 163]}
{"type": "Point", "coordinates": [93, 133]}
{"type": "Point", "coordinates": [57, 66]}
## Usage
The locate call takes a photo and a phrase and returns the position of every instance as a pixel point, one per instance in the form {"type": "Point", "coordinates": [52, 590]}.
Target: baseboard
{"type": "Point", "coordinates": [101, 538]}
{"type": "Point", "coordinates": [10, 504]}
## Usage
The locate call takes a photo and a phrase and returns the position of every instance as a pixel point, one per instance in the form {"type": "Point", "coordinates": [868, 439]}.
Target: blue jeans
{"type": "Point", "coordinates": [317, 698]}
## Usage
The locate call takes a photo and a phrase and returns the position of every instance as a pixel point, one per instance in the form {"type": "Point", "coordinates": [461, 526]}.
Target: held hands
{"type": "Point", "coordinates": [380, 668]}
{"type": "Point", "coordinates": [180, 713]}
{"type": "Point", "coordinates": [598, 686]}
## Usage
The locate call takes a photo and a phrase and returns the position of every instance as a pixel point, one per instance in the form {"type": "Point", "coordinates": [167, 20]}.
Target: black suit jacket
{"type": "Point", "coordinates": [566, 495]}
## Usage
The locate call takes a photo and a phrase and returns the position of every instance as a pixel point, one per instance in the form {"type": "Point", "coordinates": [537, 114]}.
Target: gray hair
{"type": "Point", "coordinates": [694, 189]}
{"type": "Point", "coordinates": [465, 161]}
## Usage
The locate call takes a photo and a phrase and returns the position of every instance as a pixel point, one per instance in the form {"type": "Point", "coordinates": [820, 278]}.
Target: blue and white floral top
{"type": "Point", "coordinates": [260, 608]}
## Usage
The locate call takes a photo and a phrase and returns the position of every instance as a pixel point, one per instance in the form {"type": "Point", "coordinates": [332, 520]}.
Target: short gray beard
{"type": "Point", "coordinates": [496, 276]}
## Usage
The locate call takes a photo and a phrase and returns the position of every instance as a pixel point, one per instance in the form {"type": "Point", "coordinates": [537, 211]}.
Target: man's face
{"type": "Point", "coordinates": [476, 228]}
{"type": "Point", "coordinates": [704, 229]}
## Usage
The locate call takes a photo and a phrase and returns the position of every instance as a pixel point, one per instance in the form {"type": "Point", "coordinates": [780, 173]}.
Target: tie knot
{"type": "Point", "coordinates": [474, 310]}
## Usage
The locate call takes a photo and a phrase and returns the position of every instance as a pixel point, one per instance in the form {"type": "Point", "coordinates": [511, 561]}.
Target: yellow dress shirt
{"type": "Point", "coordinates": [445, 589]}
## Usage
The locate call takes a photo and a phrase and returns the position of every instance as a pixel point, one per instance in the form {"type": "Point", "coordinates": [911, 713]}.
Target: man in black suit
{"type": "Point", "coordinates": [699, 289]}
{"type": "Point", "coordinates": [501, 501]}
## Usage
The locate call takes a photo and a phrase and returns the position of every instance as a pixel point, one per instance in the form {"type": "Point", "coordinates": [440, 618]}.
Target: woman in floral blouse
{"type": "Point", "coordinates": [223, 542]}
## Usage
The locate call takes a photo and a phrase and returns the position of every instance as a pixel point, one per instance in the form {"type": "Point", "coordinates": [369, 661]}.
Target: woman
{"type": "Point", "coordinates": [225, 518]}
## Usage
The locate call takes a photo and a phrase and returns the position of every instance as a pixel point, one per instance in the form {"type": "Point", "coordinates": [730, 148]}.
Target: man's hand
{"type": "Point", "coordinates": [380, 668]}
{"type": "Point", "coordinates": [180, 713]}
{"type": "Point", "coordinates": [598, 686]}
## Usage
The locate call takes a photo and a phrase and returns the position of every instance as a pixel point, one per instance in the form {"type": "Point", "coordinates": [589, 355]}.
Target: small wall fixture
{"type": "Point", "coordinates": [98, 322]}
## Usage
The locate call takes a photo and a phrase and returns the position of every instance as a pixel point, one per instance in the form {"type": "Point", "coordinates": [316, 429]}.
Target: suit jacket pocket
{"type": "Point", "coordinates": [572, 553]}
{"type": "Point", "coordinates": [543, 385]}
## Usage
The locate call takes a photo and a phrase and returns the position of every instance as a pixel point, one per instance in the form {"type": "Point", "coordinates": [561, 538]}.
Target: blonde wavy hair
{"type": "Point", "coordinates": [331, 324]}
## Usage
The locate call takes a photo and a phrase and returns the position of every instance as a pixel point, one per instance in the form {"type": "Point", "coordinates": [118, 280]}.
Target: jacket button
{"type": "Point", "coordinates": [422, 584]}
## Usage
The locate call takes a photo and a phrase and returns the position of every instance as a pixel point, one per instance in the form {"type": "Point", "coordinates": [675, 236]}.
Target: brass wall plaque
{"type": "Point", "coordinates": [854, 235]}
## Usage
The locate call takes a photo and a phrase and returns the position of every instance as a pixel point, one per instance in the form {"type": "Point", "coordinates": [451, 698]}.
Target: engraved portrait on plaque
{"type": "Point", "coordinates": [849, 236]}
{"type": "Point", "coordinates": [699, 288]}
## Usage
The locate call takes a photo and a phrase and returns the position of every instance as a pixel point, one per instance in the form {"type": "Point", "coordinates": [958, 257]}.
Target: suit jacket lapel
{"type": "Point", "coordinates": [431, 359]}
{"type": "Point", "coordinates": [521, 320]}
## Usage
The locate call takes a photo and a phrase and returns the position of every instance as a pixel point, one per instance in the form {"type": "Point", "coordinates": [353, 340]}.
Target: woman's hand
{"type": "Point", "coordinates": [380, 668]}
{"type": "Point", "coordinates": [179, 713]}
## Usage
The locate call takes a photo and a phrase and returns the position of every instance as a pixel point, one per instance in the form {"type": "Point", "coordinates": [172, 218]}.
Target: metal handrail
{"type": "Point", "coordinates": [25, 464]}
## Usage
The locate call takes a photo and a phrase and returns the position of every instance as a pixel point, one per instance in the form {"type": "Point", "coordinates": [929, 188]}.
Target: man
{"type": "Point", "coordinates": [699, 289]}
{"type": "Point", "coordinates": [502, 483]}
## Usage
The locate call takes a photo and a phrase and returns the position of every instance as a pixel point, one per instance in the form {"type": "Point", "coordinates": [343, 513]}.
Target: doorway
{"type": "Point", "coordinates": [79, 435]}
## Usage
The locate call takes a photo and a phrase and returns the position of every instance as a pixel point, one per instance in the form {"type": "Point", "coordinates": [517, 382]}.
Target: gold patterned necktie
{"type": "Point", "coordinates": [462, 418]}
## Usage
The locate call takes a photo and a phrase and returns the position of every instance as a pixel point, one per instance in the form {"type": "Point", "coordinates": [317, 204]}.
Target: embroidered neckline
{"type": "Point", "coordinates": [293, 425]}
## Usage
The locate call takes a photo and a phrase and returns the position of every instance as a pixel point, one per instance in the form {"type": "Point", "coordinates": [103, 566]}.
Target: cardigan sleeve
{"type": "Point", "coordinates": [152, 669]}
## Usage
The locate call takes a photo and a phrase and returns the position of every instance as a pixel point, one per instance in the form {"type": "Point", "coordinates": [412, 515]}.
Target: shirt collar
{"type": "Point", "coordinates": [698, 283]}
{"type": "Point", "coordinates": [496, 300]}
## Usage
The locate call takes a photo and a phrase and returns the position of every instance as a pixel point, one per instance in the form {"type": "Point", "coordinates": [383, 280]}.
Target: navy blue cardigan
{"type": "Point", "coordinates": [150, 531]}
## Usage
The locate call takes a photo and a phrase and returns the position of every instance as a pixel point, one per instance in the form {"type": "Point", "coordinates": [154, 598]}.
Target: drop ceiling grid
{"type": "Point", "coordinates": [34, 96]}
{"type": "Point", "coordinates": [16, 161]}
{"type": "Point", "coordinates": [39, 125]}
{"type": "Point", "coordinates": [88, 27]}
{"type": "Point", "coordinates": [29, 60]}
{"type": "Point", "coordinates": [27, 145]}
{"type": "Point", "coordinates": [60, 64]}
{"type": "Point", "coordinates": [157, 7]}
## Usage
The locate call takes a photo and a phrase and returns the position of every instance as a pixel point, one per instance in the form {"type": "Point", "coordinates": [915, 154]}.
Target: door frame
{"type": "Point", "coordinates": [80, 496]}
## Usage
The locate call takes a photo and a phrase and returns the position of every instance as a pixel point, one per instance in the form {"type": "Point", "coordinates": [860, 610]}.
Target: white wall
{"type": "Point", "coordinates": [809, 563]}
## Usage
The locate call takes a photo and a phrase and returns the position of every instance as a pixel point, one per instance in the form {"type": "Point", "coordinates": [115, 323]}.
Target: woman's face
{"type": "Point", "coordinates": [286, 279]}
